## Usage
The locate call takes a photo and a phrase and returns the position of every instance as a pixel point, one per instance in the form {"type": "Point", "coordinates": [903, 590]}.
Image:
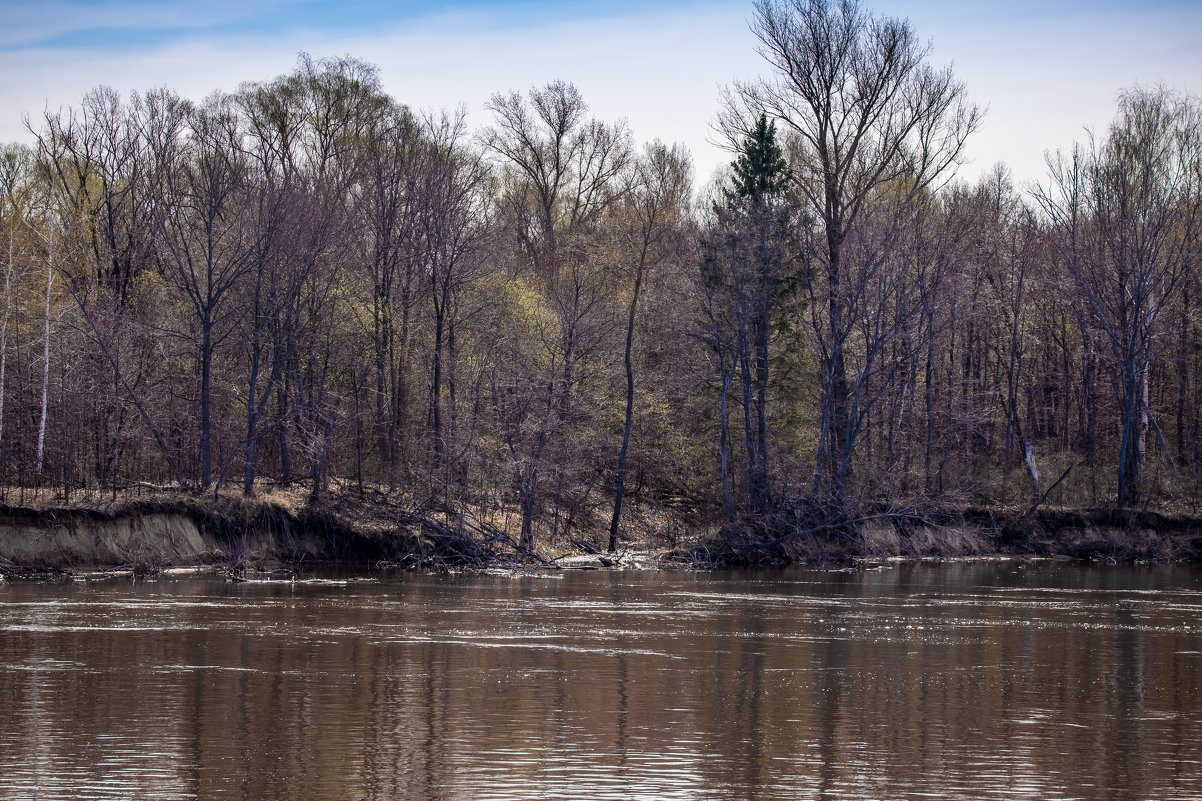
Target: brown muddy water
{"type": "Point", "coordinates": [961, 681]}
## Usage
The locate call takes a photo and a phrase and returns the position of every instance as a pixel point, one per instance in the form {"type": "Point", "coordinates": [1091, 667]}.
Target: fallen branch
{"type": "Point", "coordinates": [1045, 495]}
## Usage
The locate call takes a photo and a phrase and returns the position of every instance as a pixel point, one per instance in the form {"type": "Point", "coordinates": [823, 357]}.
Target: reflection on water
{"type": "Point", "coordinates": [1002, 680]}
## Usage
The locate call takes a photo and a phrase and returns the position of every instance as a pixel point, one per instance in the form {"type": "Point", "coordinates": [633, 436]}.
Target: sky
{"type": "Point", "coordinates": [1044, 71]}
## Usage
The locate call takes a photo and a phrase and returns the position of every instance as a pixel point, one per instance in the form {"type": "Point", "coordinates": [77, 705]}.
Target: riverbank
{"type": "Point", "coordinates": [154, 529]}
{"type": "Point", "coordinates": [822, 536]}
{"type": "Point", "coordinates": [161, 529]}
{"type": "Point", "coordinates": [164, 530]}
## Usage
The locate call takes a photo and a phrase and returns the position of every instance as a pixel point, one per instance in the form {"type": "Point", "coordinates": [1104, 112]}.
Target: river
{"type": "Point", "coordinates": [1007, 680]}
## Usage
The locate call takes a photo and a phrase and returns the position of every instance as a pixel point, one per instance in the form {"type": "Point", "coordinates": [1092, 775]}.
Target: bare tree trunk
{"type": "Point", "coordinates": [206, 412]}
{"type": "Point", "coordinates": [45, 359]}
{"type": "Point", "coordinates": [436, 387]}
{"type": "Point", "coordinates": [620, 489]}
{"type": "Point", "coordinates": [744, 362]}
{"type": "Point", "coordinates": [258, 397]}
{"type": "Point", "coordinates": [253, 404]}
{"type": "Point", "coordinates": [458, 465]}
{"type": "Point", "coordinates": [1089, 370]}
{"type": "Point", "coordinates": [1141, 419]}
{"type": "Point", "coordinates": [929, 408]}
{"type": "Point", "coordinates": [838, 439]}
{"type": "Point", "coordinates": [285, 420]}
{"type": "Point", "coordinates": [358, 411]}
{"type": "Point", "coordinates": [118, 415]}
{"type": "Point", "coordinates": [728, 497]}
{"type": "Point", "coordinates": [528, 487]}
{"type": "Point", "coordinates": [1134, 432]}
{"type": "Point", "coordinates": [1183, 378]}
{"type": "Point", "coordinates": [401, 400]}
{"type": "Point", "coordinates": [381, 337]}
{"type": "Point", "coordinates": [252, 436]}
{"type": "Point", "coordinates": [8, 306]}
{"type": "Point", "coordinates": [762, 477]}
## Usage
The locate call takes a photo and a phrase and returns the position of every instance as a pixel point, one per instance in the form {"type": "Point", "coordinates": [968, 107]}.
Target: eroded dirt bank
{"type": "Point", "coordinates": [1115, 535]}
{"type": "Point", "coordinates": [148, 535]}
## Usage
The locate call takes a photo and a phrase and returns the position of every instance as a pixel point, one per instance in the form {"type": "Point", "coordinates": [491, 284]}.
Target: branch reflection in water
{"type": "Point", "coordinates": [994, 680]}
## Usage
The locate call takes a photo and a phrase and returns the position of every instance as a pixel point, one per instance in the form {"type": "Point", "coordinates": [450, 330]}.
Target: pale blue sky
{"type": "Point", "coordinates": [137, 24]}
{"type": "Point", "coordinates": [1044, 69]}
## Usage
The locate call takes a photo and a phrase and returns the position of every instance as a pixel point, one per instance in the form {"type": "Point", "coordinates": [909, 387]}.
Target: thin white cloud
{"type": "Point", "coordinates": [27, 24]}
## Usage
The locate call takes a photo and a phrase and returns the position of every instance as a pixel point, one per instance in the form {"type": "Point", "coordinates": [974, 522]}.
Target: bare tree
{"type": "Point", "coordinates": [1126, 212]}
{"type": "Point", "coordinates": [655, 213]}
{"type": "Point", "coordinates": [36, 212]}
{"type": "Point", "coordinates": [16, 170]}
{"type": "Point", "coordinates": [1009, 248]}
{"type": "Point", "coordinates": [97, 161]}
{"type": "Point", "coordinates": [205, 244]}
{"type": "Point", "coordinates": [454, 220]}
{"type": "Point", "coordinates": [562, 177]}
{"type": "Point", "coordinates": [283, 211]}
{"type": "Point", "coordinates": [866, 115]}
{"type": "Point", "coordinates": [386, 203]}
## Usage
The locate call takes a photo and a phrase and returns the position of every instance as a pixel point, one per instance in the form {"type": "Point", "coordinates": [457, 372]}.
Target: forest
{"type": "Point", "coordinates": [306, 283]}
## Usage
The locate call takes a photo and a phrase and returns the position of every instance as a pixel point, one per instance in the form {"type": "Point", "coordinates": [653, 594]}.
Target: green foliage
{"type": "Point", "coordinates": [760, 171]}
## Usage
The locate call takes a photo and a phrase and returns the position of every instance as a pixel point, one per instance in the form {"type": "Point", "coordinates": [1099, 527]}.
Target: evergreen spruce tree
{"type": "Point", "coordinates": [749, 261]}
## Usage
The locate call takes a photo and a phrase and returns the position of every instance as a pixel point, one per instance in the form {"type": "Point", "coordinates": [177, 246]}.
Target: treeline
{"type": "Point", "coordinates": [305, 280]}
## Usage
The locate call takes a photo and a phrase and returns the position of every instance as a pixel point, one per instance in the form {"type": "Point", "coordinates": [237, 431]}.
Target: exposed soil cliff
{"type": "Point", "coordinates": [819, 536]}
{"type": "Point", "coordinates": [147, 535]}
{"type": "Point", "coordinates": [154, 534]}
